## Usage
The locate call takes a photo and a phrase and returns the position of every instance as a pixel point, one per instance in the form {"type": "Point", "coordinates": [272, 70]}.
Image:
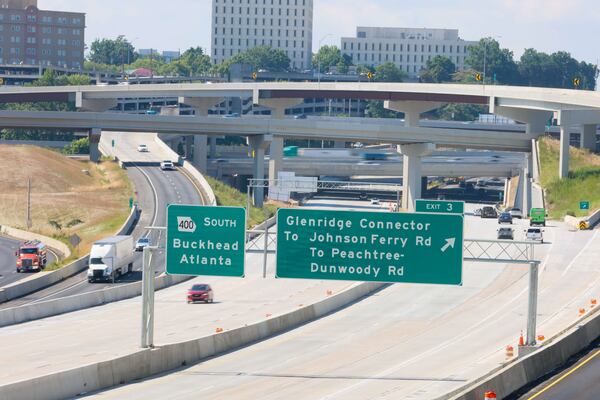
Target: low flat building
{"type": "Point", "coordinates": [408, 48]}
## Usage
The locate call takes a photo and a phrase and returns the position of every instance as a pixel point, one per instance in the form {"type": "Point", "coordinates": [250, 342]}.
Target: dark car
{"type": "Point", "coordinates": [489, 212]}
{"type": "Point", "coordinates": [300, 116]}
{"type": "Point", "coordinates": [505, 218]}
{"type": "Point", "coordinates": [200, 292]}
{"type": "Point", "coordinates": [506, 233]}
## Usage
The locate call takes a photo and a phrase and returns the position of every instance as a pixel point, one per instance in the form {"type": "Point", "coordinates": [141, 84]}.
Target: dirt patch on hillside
{"type": "Point", "coordinates": [67, 195]}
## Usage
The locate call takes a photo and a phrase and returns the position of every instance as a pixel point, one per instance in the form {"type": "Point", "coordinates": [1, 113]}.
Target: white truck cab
{"type": "Point", "coordinates": [110, 258]}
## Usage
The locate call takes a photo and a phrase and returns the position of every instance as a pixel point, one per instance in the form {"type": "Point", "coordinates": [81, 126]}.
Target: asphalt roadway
{"type": "Point", "coordinates": [155, 190]}
{"type": "Point", "coordinates": [8, 268]}
{"type": "Point", "coordinates": [406, 341]}
{"type": "Point", "coordinates": [579, 382]}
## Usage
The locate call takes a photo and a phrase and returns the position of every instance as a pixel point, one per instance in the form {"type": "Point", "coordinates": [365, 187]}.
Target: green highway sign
{"type": "Point", "coordinates": [584, 205]}
{"type": "Point", "coordinates": [437, 206]}
{"type": "Point", "coordinates": [370, 246]}
{"type": "Point", "coordinates": [205, 240]}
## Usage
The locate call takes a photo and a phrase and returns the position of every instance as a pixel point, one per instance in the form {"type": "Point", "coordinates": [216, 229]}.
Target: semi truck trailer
{"type": "Point", "coordinates": [110, 258]}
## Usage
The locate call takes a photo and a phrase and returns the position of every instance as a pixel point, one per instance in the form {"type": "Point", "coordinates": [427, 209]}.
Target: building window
{"type": "Point", "coordinates": [31, 29]}
{"type": "Point", "coordinates": [62, 20]}
{"type": "Point", "coordinates": [15, 18]}
{"type": "Point", "coordinates": [31, 18]}
{"type": "Point", "coordinates": [47, 19]}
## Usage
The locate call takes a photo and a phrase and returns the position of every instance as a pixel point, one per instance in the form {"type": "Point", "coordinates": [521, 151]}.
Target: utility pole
{"type": "Point", "coordinates": [28, 222]}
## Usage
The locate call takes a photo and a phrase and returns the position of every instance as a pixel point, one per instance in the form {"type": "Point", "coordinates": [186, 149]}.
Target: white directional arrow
{"type": "Point", "coordinates": [449, 243]}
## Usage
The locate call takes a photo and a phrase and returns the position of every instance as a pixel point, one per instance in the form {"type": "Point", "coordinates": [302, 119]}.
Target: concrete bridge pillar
{"type": "Point", "coordinates": [201, 105]}
{"type": "Point", "coordinates": [94, 105]}
{"type": "Point", "coordinates": [412, 109]}
{"type": "Point", "coordinates": [278, 107]}
{"type": "Point", "coordinates": [588, 137]}
{"type": "Point", "coordinates": [94, 136]}
{"type": "Point", "coordinates": [412, 166]}
{"type": "Point", "coordinates": [258, 144]}
{"type": "Point", "coordinates": [526, 178]}
{"type": "Point", "coordinates": [565, 121]}
{"type": "Point", "coordinates": [200, 153]}
{"type": "Point", "coordinates": [213, 146]}
{"type": "Point", "coordinates": [276, 157]}
{"type": "Point", "coordinates": [189, 142]}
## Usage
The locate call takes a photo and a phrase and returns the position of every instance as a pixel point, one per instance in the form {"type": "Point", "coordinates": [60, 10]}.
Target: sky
{"type": "Point", "coordinates": [546, 25]}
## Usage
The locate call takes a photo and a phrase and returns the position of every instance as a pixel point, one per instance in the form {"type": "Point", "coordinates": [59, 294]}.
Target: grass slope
{"type": "Point", "coordinates": [91, 204]}
{"type": "Point", "coordinates": [583, 184]}
{"type": "Point", "coordinates": [229, 196]}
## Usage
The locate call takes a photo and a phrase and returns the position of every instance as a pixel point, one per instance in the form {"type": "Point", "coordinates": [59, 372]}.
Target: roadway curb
{"type": "Point", "coordinates": [43, 280]}
{"type": "Point", "coordinates": [26, 235]}
{"type": "Point", "coordinates": [145, 363]}
{"type": "Point", "coordinates": [515, 375]}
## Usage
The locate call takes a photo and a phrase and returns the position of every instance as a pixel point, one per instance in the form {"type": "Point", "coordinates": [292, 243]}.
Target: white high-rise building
{"type": "Point", "coordinates": [408, 48]}
{"type": "Point", "coordinates": [239, 25]}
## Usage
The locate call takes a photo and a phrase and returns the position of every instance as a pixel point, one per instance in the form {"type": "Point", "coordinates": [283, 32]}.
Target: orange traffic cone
{"type": "Point", "coordinates": [593, 303]}
{"type": "Point", "coordinates": [581, 311]}
{"type": "Point", "coordinates": [521, 340]}
{"type": "Point", "coordinates": [489, 395]}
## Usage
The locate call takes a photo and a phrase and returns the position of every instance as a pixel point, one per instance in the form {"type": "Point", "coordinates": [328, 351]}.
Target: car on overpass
{"type": "Point", "coordinates": [143, 148]}
{"type": "Point", "coordinates": [167, 165]}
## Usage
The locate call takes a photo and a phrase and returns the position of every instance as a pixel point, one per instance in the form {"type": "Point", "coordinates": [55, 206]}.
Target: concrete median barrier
{"type": "Point", "coordinates": [144, 363]}
{"type": "Point", "coordinates": [44, 309]}
{"type": "Point", "coordinates": [528, 369]}
{"type": "Point", "coordinates": [54, 244]}
{"type": "Point", "coordinates": [45, 279]}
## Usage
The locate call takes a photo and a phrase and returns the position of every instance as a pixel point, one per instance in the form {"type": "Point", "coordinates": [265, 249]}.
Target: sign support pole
{"type": "Point", "coordinates": [248, 203]}
{"type": "Point", "coordinates": [265, 254]}
{"type": "Point", "coordinates": [147, 299]}
{"type": "Point", "coordinates": [532, 306]}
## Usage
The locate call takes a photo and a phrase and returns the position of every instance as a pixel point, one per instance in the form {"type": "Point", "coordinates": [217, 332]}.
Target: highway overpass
{"type": "Point", "coordinates": [531, 106]}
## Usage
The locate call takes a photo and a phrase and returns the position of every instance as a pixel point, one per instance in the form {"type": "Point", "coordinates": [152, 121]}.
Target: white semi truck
{"type": "Point", "coordinates": [110, 258]}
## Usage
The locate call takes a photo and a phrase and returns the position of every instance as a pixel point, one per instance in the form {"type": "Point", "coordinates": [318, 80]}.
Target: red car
{"type": "Point", "coordinates": [200, 292]}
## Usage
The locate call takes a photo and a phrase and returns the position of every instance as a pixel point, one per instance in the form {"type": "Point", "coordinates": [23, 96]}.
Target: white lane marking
{"type": "Point", "coordinates": [572, 263]}
{"type": "Point", "coordinates": [55, 293]}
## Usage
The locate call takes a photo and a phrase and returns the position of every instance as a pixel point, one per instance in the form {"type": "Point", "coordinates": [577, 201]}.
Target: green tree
{"type": "Point", "coordinates": [79, 146]}
{"type": "Point", "coordinates": [388, 72]}
{"type": "Point", "coordinates": [193, 62]}
{"type": "Point", "coordinates": [263, 57]}
{"type": "Point", "coordinates": [329, 56]}
{"type": "Point", "coordinates": [487, 56]}
{"type": "Point", "coordinates": [375, 109]}
{"type": "Point", "coordinates": [460, 112]}
{"type": "Point", "coordinates": [439, 69]}
{"type": "Point", "coordinates": [112, 51]}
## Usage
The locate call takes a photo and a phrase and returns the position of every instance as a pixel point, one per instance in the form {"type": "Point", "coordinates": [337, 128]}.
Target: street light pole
{"type": "Point", "coordinates": [319, 61]}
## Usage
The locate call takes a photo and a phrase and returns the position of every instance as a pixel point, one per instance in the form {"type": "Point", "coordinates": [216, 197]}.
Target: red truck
{"type": "Point", "coordinates": [31, 256]}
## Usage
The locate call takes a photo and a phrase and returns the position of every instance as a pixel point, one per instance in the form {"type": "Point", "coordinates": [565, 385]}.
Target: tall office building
{"type": "Point", "coordinates": [408, 48]}
{"type": "Point", "coordinates": [32, 36]}
{"type": "Point", "coordinates": [239, 25]}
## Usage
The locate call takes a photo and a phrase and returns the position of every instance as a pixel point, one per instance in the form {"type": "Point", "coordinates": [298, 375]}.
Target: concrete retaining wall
{"type": "Point", "coordinates": [62, 248]}
{"type": "Point", "coordinates": [167, 149]}
{"type": "Point", "coordinates": [591, 220]}
{"type": "Point", "coordinates": [45, 279]}
{"type": "Point", "coordinates": [30, 312]}
{"type": "Point", "coordinates": [520, 373]}
{"type": "Point", "coordinates": [204, 186]}
{"type": "Point", "coordinates": [144, 363]}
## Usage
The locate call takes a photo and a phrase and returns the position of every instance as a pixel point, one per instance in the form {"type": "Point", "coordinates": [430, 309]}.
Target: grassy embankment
{"type": "Point", "coordinates": [229, 196]}
{"type": "Point", "coordinates": [583, 184]}
{"type": "Point", "coordinates": [67, 196]}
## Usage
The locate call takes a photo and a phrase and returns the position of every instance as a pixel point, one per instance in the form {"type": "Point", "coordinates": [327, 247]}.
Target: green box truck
{"type": "Point", "coordinates": [537, 216]}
